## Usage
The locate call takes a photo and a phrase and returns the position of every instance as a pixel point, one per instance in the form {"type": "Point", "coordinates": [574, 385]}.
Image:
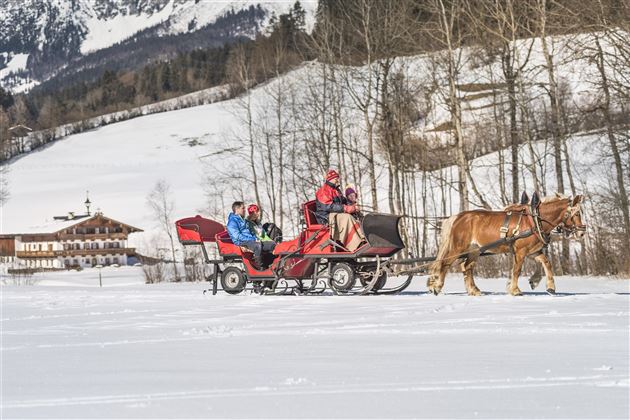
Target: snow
{"type": "Point", "coordinates": [119, 164]}
{"type": "Point", "coordinates": [207, 12]}
{"type": "Point", "coordinates": [15, 64]}
{"type": "Point", "coordinates": [102, 33]}
{"type": "Point", "coordinates": [73, 350]}
{"type": "Point", "coordinates": [9, 77]}
{"type": "Point", "coordinates": [51, 226]}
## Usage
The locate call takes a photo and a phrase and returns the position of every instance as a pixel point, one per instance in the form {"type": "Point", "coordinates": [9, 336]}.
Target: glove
{"type": "Point", "coordinates": [350, 209]}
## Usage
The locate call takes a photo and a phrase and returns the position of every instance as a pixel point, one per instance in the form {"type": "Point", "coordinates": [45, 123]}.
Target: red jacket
{"type": "Point", "coordinates": [329, 200]}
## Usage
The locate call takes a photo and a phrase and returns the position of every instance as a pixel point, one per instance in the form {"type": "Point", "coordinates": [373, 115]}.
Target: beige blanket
{"type": "Point", "coordinates": [345, 229]}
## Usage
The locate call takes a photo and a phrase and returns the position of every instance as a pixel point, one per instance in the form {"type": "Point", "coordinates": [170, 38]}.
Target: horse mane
{"type": "Point", "coordinates": [554, 198]}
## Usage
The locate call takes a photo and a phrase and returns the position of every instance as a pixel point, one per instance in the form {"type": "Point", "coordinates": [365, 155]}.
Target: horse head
{"type": "Point", "coordinates": [572, 220]}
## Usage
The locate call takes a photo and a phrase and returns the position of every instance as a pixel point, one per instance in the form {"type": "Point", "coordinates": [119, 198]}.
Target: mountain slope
{"type": "Point", "coordinates": [58, 34]}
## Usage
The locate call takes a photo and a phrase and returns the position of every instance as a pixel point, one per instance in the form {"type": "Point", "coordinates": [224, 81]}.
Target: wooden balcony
{"type": "Point", "coordinates": [75, 252]}
{"type": "Point", "coordinates": [35, 254]}
{"type": "Point", "coordinates": [100, 251]}
{"type": "Point", "coordinates": [91, 236]}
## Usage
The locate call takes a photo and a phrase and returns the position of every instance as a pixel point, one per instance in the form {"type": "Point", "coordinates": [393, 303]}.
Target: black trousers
{"type": "Point", "coordinates": [259, 247]}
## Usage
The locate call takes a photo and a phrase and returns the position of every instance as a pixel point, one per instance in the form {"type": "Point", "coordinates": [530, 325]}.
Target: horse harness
{"type": "Point", "coordinates": [509, 237]}
{"type": "Point", "coordinates": [534, 212]}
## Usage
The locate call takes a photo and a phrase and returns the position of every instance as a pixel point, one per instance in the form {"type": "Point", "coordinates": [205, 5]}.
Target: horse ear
{"type": "Point", "coordinates": [577, 200]}
{"type": "Point", "coordinates": [524, 198]}
{"type": "Point", "coordinates": [535, 202]}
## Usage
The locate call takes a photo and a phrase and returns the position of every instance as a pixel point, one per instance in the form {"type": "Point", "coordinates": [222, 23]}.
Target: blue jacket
{"type": "Point", "coordinates": [238, 230]}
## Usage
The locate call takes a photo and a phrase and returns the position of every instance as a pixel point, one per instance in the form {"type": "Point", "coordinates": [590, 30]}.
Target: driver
{"type": "Point", "coordinates": [334, 210]}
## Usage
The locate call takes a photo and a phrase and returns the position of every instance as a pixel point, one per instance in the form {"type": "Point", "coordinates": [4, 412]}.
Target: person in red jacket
{"type": "Point", "coordinates": [333, 209]}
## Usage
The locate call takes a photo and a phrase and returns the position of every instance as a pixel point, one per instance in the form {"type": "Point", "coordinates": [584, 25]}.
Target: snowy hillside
{"type": "Point", "coordinates": [40, 38]}
{"type": "Point", "coordinates": [73, 350]}
{"type": "Point", "coordinates": [197, 149]}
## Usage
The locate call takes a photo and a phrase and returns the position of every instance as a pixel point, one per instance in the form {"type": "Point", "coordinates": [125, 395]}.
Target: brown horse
{"type": "Point", "coordinates": [540, 256]}
{"type": "Point", "coordinates": [525, 230]}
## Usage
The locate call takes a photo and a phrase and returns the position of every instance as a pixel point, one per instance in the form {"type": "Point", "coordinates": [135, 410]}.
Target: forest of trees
{"type": "Point", "coordinates": [361, 108]}
{"type": "Point", "coordinates": [361, 102]}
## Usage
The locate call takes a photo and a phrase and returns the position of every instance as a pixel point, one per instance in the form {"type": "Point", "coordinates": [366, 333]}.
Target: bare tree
{"type": "Point", "coordinates": [161, 203]}
{"type": "Point", "coordinates": [242, 78]}
{"type": "Point", "coordinates": [446, 31]}
{"type": "Point", "coordinates": [501, 23]}
{"type": "Point", "coordinates": [4, 185]}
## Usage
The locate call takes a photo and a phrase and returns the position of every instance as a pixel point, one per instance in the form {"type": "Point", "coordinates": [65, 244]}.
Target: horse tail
{"type": "Point", "coordinates": [445, 245]}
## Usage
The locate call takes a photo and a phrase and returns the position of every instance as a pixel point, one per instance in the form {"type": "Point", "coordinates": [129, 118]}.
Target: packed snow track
{"type": "Point", "coordinates": [73, 350]}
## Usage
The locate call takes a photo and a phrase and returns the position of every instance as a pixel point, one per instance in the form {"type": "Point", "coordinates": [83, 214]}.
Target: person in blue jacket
{"type": "Point", "coordinates": [241, 235]}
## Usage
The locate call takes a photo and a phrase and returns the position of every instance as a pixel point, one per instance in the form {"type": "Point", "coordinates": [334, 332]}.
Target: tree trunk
{"type": "Point", "coordinates": [623, 195]}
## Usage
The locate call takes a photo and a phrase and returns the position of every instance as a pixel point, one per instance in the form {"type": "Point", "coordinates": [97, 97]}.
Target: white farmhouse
{"type": "Point", "coordinates": [69, 241]}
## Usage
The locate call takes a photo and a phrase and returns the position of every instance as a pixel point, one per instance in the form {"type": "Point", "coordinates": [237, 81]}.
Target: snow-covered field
{"type": "Point", "coordinates": [73, 350]}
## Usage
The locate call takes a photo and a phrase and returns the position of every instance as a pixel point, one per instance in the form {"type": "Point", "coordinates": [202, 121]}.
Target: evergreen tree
{"type": "Point", "coordinates": [6, 99]}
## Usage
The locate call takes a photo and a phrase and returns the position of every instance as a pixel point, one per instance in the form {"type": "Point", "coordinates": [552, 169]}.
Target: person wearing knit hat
{"type": "Point", "coordinates": [331, 175]}
{"type": "Point", "coordinates": [254, 222]}
{"type": "Point", "coordinates": [263, 241]}
{"type": "Point", "coordinates": [351, 195]}
{"type": "Point", "coordinates": [334, 209]}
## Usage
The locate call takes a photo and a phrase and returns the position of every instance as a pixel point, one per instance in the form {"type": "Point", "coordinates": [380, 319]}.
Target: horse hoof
{"type": "Point", "coordinates": [516, 292]}
{"type": "Point", "coordinates": [551, 292]}
{"type": "Point", "coordinates": [474, 292]}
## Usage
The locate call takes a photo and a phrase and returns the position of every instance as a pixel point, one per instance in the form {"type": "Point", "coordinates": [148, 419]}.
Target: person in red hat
{"type": "Point", "coordinates": [254, 224]}
{"type": "Point", "coordinates": [334, 210]}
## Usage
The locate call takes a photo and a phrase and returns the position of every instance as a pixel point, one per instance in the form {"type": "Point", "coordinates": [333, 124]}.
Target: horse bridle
{"type": "Point", "coordinates": [568, 215]}
{"type": "Point", "coordinates": [562, 227]}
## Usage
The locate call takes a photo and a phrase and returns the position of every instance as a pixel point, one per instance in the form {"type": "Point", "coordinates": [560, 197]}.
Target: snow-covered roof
{"type": "Point", "coordinates": [52, 225]}
{"type": "Point", "coordinates": [56, 225]}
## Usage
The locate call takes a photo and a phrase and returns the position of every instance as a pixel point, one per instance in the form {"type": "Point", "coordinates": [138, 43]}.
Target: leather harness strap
{"type": "Point", "coordinates": [505, 229]}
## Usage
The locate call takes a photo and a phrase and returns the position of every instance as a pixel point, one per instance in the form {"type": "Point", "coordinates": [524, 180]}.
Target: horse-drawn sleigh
{"type": "Point", "coordinates": [312, 263]}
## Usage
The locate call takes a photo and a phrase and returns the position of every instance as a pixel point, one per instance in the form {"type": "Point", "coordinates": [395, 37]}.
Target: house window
{"type": "Point", "coordinates": [86, 246]}
{"type": "Point", "coordinates": [50, 247]}
{"type": "Point", "coordinates": [75, 261]}
{"type": "Point", "coordinates": [66, 262]}
{"type": "Point", "coordinates": [115, 260]}
{"type": "Point", "coordinates": [107, 261]}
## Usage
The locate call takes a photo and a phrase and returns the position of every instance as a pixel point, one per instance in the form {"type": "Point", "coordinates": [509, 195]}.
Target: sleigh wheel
{"type": "Point", "coordinates": [342, 276]}
{"type": "Point", "coordinates": [380, 282]}
{"type": "Point", "coordinates": [233, 280]}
